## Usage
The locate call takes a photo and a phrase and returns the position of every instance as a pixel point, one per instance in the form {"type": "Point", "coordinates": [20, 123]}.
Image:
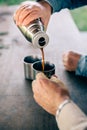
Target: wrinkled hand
{"type": "Point", "coordinates": [49, 93]}
{"type": "Point", "coordinates": [70, 60]}
{"type": "Point", "coordinates": [30, 10]}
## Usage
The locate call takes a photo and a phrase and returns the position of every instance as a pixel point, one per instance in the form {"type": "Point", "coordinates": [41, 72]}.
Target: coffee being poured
{"type": "Point", "coordinates": [35, 34]}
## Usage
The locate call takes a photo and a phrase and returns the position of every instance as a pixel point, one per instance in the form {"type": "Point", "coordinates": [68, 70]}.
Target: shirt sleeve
{"type": "Point", "coordinates": [71, 118]}
{"type": "Point", "coordinates": [82, 67]}
{"type": "Point", "coordinates": [57, 5]}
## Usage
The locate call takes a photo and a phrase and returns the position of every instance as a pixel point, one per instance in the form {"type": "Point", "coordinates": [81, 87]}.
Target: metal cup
{"type": "Point", "coordinates": [28, 61]}
{"type": "Point", "coordinates": [49, 68]}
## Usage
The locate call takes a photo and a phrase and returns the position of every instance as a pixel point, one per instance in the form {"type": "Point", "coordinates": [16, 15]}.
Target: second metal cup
{"type": "Point", "coordinates": [28, 61]}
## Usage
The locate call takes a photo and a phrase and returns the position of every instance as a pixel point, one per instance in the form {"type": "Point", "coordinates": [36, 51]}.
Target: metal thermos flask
{"type": "Point", "coordinates": [35, 33]}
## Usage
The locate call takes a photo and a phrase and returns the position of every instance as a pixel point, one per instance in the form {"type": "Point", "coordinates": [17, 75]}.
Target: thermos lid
{"type": "Point", "coordinates": [40, 39]}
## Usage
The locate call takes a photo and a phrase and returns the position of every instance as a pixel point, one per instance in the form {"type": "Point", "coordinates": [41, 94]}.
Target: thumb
{"type": "Point", "coordinates": [55, 79]}
{"type": "Point", "coordinates": [58, 81]}
{"type": "Point", "coordinates": [41, 76]}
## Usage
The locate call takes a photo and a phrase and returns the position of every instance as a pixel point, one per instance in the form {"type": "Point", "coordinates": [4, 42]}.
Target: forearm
{"type": "Point", "coordinates": [71, 117]}
{"type": "Point", "coordinates": [82, 66]}
{"type": "Point", "coordinates": [57, 5]}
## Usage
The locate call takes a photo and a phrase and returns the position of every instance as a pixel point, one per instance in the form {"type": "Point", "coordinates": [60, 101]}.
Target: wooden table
{"type": "Point", "coordinates": [18, 110]}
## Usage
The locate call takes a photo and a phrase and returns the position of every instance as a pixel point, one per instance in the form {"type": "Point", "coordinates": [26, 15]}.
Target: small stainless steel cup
{"type": "Point", "coordinates": [49, 68]}
{"type": "Point", "coordinates": [28, 61]}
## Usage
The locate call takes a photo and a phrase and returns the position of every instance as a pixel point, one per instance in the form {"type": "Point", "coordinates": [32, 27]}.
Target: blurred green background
{"type": "Point", "coordinates": [79, 15]}
{"type": "Point", "coordinates": [10, 2]}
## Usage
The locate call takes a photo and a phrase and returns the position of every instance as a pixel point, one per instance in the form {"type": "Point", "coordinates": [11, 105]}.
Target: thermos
{"type": "Point", "coordinates": [35, 33]}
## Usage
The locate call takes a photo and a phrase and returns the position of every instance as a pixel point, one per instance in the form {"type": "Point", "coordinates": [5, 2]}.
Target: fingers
{"type": "Point", "coordinates": [27, 12]}
{"type": "Point", "coordinates": [35, 86]}
{"type": "Point", "coordinates": [36, 91]}
{"type": "Point", "coordinates": [41, 76]}
{"type": "Point", "coordinates": [18, 11]}
{"type": "Point", "coordinates": [65, 58]}
{"type": "Point", "coordinates": [40, 84]}
{"type": "Point", "coordinates": [39, 87]}
{"type": "Point", "coordinates": [29, 17]}
{"type": "Point", "coordinates": [70, 60]}
{"type": "Point", "coordinates": [18, 17]}
{"type": "Point", "coordinates": [39, 81]}
{"type": "Point", "coordinates": [54, 79]}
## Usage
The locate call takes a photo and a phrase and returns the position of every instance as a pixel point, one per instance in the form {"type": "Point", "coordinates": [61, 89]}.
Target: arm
{"type": "Point", "coordinates": [57, 5]}
{"type": "Point", "coordinates": [82, 66]}
{"type": "Point", "coordinates": [71, 118]}
{"type": "Point", "coordinates": [75, 62]}
{"type": "Point", "coordinates": [50, 94]}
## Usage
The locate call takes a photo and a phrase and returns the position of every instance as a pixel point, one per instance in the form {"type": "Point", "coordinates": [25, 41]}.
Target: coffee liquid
{"type": "Point", "coordinates": [43, 64]}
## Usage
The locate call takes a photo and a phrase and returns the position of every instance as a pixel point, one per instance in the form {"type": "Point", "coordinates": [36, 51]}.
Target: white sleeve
{"type": "Point", "coordinates": [71, 118]}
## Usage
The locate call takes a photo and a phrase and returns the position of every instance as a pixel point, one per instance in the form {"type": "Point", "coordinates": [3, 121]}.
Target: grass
{"type": "Point", "coordinates": [11, 2]}
{"type": "Point", "coordinates": [79, 15]}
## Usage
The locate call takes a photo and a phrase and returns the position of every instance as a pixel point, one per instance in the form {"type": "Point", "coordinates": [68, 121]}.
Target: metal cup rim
{"type": "Point", "coordinates": [32, 56]}
{"type": "Point", "coordinates": [44, 70]}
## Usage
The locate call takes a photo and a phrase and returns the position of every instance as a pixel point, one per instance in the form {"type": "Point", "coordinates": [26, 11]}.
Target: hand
{"type": "Point", "coordinates": [30, 10]}
{"type": "Point", "coordinates": [49, 93]}
{"type": "Point", "coordinates": [70, 60]}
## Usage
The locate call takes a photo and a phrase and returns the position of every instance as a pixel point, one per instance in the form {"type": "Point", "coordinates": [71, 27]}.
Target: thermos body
{"type": "Point", "coordinates": [35, 33]}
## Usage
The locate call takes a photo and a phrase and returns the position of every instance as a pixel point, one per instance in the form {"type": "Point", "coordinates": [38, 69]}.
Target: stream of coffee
{"type": "Point", "coordinates": [43, 64]}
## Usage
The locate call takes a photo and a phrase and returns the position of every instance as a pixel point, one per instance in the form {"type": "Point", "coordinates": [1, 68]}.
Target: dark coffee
{"type": "Point", "coordinates": [49, 69]}
{"type": "Point", "coordinates": [31, 59]}
{"type": "Point", "coordinates": [42, 59]}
